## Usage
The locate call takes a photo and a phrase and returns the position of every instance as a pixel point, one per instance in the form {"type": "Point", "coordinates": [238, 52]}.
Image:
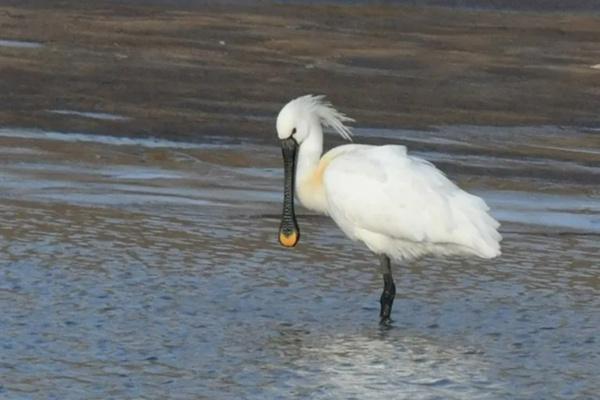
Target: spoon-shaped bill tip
{"type": "Point", "coordinates": [288, 239]}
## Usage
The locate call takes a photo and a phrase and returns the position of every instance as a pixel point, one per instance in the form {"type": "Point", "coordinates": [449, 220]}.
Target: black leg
{"type": "Point", "coordinates": [389, 290]}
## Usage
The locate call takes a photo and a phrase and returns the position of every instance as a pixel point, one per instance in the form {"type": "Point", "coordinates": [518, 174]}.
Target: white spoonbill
{"type": "Point", "coordinates": [400, 206]}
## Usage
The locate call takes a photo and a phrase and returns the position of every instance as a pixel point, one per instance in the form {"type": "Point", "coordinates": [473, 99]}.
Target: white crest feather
{"type": "Point", "coordinates": [329, 116]}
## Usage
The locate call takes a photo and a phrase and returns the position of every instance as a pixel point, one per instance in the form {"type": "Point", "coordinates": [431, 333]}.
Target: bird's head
{"type": "Point", "coordinates": [297, 117]}
{"type": "Point", "coordinates": [296, 122]}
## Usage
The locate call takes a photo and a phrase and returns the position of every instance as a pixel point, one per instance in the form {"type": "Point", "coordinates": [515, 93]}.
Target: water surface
{"type": "Point", "coordinates": [20, 44]}
{"type": "Point", "coordinates": [149, 268]}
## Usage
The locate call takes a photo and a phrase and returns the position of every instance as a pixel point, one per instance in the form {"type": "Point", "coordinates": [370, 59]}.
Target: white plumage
{"type": "Point", "coordinates": [398, 205]}
{"type": "Point", "coordinates": [404, 207]}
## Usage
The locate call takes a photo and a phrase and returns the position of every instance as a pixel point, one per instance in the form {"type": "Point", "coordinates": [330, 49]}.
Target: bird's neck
{"type": "Point", "coordinates": [309, 172]}
{"type": "Point", "coordinates": [309, 154]}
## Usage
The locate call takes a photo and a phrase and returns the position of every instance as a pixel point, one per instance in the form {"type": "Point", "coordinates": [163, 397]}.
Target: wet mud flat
{"type": "Point", "coordinates": [189, 69]}
{"type": "Point", "coordinates": [149, 268]}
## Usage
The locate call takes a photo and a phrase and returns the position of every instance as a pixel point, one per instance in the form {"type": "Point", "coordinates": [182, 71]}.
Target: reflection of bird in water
{"type": "Point", "coordinates": [400, 206]}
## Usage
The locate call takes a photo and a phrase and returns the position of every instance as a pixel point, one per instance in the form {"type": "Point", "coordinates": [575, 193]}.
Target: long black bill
{"type": "Point", "coordinates": [289, 234]}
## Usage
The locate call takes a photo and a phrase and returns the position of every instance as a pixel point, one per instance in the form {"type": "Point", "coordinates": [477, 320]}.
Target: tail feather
{"type": "Point", "coordinates": [479, 229]}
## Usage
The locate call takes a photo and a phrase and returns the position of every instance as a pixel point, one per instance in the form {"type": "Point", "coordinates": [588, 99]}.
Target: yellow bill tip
{"type": "Point", "coordinates": [288, 240]}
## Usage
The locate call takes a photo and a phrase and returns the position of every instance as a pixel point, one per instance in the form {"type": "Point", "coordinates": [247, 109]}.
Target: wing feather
{"type": "Point", "coordinates": [382, 190]}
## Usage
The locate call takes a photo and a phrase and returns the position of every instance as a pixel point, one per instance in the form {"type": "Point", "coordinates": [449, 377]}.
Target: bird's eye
{"type": "Point", "coordinates": [293, 131]}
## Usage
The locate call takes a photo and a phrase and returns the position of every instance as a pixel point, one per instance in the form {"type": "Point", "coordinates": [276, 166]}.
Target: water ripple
{"type": "Point", "coordinates": [142, 272]}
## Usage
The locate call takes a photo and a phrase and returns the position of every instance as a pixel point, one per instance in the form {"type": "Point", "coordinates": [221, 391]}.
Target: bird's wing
{"type": "Point", "coordinates": [383, 190]}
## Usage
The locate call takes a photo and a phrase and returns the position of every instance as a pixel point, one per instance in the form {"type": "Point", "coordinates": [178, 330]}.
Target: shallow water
{"type": "Point", "coordinates": [146, 268]}
{"type": "Point", "coordinates": [20, 44]}
{"type": "Point", "coordinates": [92, 115]}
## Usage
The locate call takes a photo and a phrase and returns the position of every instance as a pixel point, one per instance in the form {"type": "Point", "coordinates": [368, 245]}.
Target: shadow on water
{"type": "Point", "coordinates": [143, 268]}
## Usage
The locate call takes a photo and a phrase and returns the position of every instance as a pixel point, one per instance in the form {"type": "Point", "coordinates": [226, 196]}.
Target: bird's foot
{"type": "Point", "coordinates": [388, 294]}
{"type": "Point", "coordinates": [386, 309]}
{"type": "Point", "coordinates": [386, 301]}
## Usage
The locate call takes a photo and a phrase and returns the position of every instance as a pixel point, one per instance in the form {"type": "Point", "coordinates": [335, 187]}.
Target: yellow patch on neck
{"type": "Point", "coordinates": [316, 178]}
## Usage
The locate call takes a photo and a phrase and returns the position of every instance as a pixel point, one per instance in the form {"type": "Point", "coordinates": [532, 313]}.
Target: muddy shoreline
{"type": "Point", "coordinates": [181, 71]}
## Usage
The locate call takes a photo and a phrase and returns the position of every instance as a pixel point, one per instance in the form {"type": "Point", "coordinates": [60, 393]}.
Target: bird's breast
{"type": "Point", "coordinates": [311, 190]}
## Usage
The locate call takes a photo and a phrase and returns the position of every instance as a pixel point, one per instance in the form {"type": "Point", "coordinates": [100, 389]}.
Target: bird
{"type": "Point", "coordinates": [400, 206]}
